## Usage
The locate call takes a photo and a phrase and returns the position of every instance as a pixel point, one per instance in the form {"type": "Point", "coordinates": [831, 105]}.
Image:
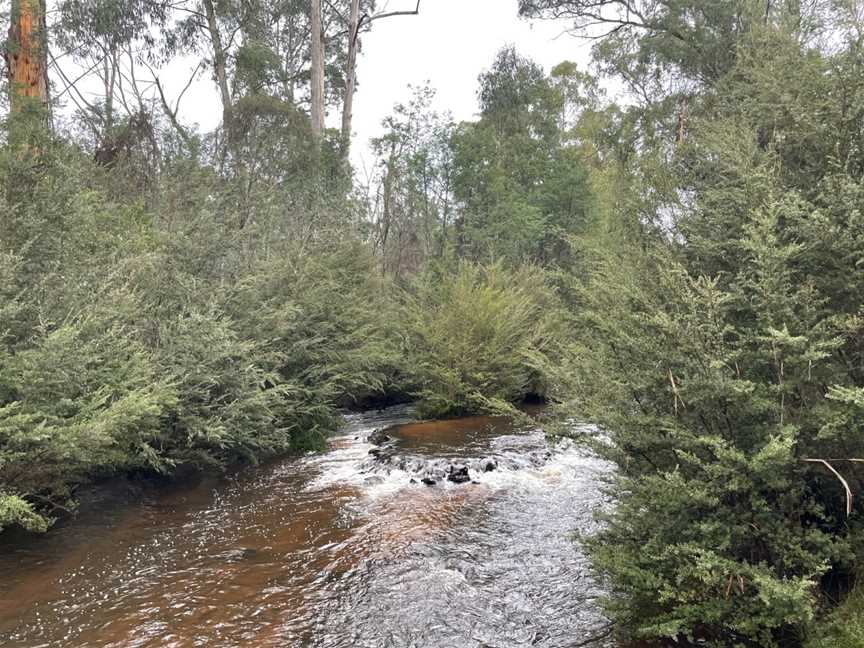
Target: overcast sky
{"type": "Point", "coordinates": [449, 44]}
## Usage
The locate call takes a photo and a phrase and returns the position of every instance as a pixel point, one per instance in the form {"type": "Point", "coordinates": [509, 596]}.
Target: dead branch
{"type": "Point", "coordinates": [842, 481]}
{"type": "Point", "coordinates": [391, 14]}
{"type": "Point", "coordinates": [676, 394]}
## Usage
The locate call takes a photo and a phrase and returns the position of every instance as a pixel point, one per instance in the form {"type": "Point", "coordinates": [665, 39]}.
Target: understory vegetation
{"type": "Point", "coordinates": [719, 322]}
{"type": "Point", "coordinates": [682, 265]}
{"type": "Point", "coordinates": [166, 310]}
{"type": "Point", "coordinates": [844, 627]}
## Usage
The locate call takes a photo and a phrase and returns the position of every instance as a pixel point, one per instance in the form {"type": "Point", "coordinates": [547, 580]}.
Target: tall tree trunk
{"type": "Point", "coordinates": [317, 51]}
{"type": "Point", "coordinates": [350, 76]}
{"type": "Point", "coordinates": [230, 124]}
{"type": "Point", "coordinates": [351, 66]}
{"type": "Point", "coordinates": [27, 54]}
{"type": "Point", "coordinates": [220, 67]}
{"type": "Point", "coordinates": [387, 214]}
{"type": "Point", "coordinates": [27, 71]}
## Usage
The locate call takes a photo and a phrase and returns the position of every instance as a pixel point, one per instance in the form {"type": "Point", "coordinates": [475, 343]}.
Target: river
{"type": "Point", "coordinates": [338, 549]}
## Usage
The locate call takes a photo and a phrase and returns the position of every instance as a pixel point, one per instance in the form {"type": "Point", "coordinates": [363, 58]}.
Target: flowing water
{"type": "Point", "coordinates": [338, 549]}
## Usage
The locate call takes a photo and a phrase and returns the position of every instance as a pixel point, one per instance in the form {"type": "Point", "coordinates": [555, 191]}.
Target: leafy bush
{"type": "Point", "coordinates": [479, 338]}
{"type": "Point", "coordinates": [722, 531]}
{"type": "Point", "coordinates": [325, 329]}
{"type": "Point", "coordinates": [720, 349]}
{"type": "Point", "coordinates": [719, 369]}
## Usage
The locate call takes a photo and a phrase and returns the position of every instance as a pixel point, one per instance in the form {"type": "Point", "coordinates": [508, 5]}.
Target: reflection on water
{"type": "Point", "coordinates": [325, 551]}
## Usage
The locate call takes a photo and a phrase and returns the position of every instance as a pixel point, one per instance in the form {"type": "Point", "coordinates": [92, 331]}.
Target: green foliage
{"type": "Point", "coordinates": [522, 189]}
{"type": "Point", "coordinates": [413, 205]}
{"type": "Point", "coordinates": [138, 339]}
{"type": "Point", "coordinates": [720, 330]}
{"type": "Point", "coordinates": [195, 301]}
{"type": "Point", "coordinates": [14, 510]}
{"type": "Point", "coordinates": [479, 338]}
{"type": "Point", "coordinates": [325, 329]}
{"type": "Point", "coordinates": [672, 47]}
{"type": "Point", "coordinates": [723, 532]}
{"type": "Point", "coordinates": [843, 628]}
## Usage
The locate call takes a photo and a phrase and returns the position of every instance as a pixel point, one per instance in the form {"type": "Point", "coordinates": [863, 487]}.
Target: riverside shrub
{"type": "Point", "coordinates": [479, 338]}
{"type": "Point", "coordinates": [720, 350]}
{"type": "Point", "coordinates": [135, 341]}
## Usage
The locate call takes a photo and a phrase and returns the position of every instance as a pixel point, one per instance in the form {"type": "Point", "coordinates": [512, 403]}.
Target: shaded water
{"type": "Point", "coordinates": [330, 550]}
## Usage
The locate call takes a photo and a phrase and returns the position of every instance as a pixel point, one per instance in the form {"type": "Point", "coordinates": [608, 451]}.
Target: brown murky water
{"type": "Point", "coordinates": [329, 550]}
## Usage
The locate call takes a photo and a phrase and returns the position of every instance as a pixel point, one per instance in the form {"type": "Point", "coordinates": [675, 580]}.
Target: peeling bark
{"type": "Point", "coordinates": [27, 54]}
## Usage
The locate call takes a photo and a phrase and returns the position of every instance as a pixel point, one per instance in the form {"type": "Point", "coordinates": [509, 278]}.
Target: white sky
{"type": "Point", "coordinates": [449, 44]}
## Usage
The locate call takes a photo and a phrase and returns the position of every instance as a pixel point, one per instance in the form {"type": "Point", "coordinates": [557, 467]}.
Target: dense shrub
{"type": "Point", "coordinates": [325, 325]}
{"type": "Point", "coordinates": [479, 338]}
{"type": "Point", "coordinates": [844, 628]}
{"type": "Point", "coordinates": [723, 532]}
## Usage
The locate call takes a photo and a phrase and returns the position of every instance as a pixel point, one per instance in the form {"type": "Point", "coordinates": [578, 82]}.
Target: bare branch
{"type": "Point", "coordinates": [71, 84]}
{"type": "Point", "coordinates": [391, 14]}
{"type": "Point", "coordinates": [336, 10]}
{"type": "Point", "coordinates": [188, 85]}
{"type": "Point", "coordinates": [842, 481]}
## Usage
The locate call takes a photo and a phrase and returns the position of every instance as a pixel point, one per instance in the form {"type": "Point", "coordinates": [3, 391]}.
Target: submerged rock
{"type": "Point", "coordinates": [237, 555]}
{"type": "Point", "coordinates": [488, 465]}
{"type": "Point", "coordinates": [379, 437]}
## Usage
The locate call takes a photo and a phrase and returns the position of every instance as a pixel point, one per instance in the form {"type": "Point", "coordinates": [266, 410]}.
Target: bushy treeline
{"type": "Point", "coordinates": [685, 270]}
{"type": "Point", "coordinates": [133, 347]}
{"type": "Point", "coordinates": [174, 299]}
{"type": "Point", "coordinates": [719, 320]}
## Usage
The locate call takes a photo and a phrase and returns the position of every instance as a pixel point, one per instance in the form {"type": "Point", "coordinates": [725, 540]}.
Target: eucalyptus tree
{"type": "Point", "coordinates": [667, 51]}
{"type": "Point", "coordinates": [27, 54]}
{"type": "Point", "coordinates": [360, 18]}
{"type": "Point", "coordinates": [106, 37]}
{"type": "Point", "coordinates": [521, 189]}
{"type": "Point", "coordinates": [410, 199]}
{"type": "Point", "coordinates": [316, 47]}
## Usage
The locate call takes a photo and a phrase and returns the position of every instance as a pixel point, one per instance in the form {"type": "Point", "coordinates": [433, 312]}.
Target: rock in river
{"type": "Point", "coordinates": [488, 465]}
{"type": "Point", "coordinates": [379, 437]}
{"type": "Point", "coordinates": [458, 474]}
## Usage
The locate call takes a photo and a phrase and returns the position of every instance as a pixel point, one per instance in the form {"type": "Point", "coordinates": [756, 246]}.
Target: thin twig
{"type": "Point", "coordinates": [676, 395]}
